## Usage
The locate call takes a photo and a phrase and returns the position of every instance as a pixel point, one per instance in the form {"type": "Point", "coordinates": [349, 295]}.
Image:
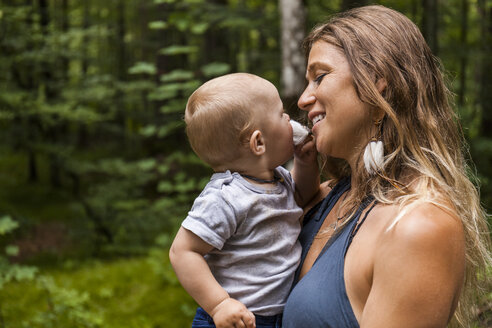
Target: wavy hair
{"type": "Point", "coordinates": [423, 143]}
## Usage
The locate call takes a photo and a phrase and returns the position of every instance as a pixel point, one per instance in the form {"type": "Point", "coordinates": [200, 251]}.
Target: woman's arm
{"type": "Point", "coordinates": [186, 256]}
{"type": "Point", "coordinates": [418, 271]}
{"type": "Point", "coordinates": [305, 172]}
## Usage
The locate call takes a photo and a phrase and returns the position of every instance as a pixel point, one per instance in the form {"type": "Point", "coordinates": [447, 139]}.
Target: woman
{"type": "Point", "coordinates": [400, 236]}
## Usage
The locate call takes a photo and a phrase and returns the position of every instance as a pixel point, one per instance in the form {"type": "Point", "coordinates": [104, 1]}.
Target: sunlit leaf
{"type": "Point", "coordinates": [199, 28]}
{"type": "Point", "coordinates": [165, 186]}
{"type": "Point", "coordinates": [147, 164]}
{"type": "Point", "coordinates": [148, 131]}
{"type": "Point", "coordinates": [158, 25]}
{"type": "Point", "coordinates": [215, 69]}
{"type": "Point", "coordinates": [12, 250]}
{"type": "Point", "coordinates": [169, 128]}
{"type": "Point", "coordinates": [178, 50]}
{"type": "Point", "coordinates": [176, 75]}
{"type": "Point", "coordinates": [143, 68]}
{"type": "Point", "coordinates": [7, 225]}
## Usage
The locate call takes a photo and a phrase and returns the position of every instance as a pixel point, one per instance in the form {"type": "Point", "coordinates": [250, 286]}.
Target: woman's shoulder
{"type": "Point", "coordinates": [420, 220]}
{"type": "Point", "coordinates": [421, 231]}
{"type": "Point", "coordinates": [413, 261]}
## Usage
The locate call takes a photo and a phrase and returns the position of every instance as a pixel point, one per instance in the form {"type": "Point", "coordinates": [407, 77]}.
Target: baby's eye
{"type": "Point", "coordinates": [319, 78]}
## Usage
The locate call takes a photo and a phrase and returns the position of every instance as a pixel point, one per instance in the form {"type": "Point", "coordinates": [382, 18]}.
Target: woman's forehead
{"type": "Point", "coordinates": [325, 55]}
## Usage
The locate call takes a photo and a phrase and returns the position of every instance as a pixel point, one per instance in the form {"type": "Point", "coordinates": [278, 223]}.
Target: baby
{"type": "Point", "coordinates": [237, 251]}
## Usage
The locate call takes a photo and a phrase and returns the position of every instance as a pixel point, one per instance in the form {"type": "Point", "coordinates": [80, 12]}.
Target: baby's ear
{"type": "Point", "coordinates": [256, 143]}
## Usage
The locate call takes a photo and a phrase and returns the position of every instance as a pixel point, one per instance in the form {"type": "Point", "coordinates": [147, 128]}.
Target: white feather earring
{"type": "Point", "coordinates": [374, 156]}
{"type": "Point", "coordinates": [374, 152]}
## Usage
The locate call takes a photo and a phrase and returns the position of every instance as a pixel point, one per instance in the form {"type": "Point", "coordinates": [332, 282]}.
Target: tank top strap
{"type": "Point", "coordinates": [314, 218]}
{"type": "Point", "coordinates": [357, 225]}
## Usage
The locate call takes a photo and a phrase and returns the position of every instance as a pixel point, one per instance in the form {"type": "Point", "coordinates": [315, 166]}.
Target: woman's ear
{"type": "Point", "coordinates": [381, 84]}
{"type": "Point", "coordinates": [256, 143]}
{"type": "Point", "coordinates": [379, 114]}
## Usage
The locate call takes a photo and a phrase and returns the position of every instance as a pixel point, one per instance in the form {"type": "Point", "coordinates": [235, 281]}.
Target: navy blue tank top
{"type": "Point", "coordinates": [320, 298]}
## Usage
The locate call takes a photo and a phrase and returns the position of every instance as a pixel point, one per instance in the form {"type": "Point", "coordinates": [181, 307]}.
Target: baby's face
{"type": "Point", "coordinates": [276, 129]}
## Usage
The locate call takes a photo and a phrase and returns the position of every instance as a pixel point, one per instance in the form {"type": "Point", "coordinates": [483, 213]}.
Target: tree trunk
{"type": "Point", "coordinates": [292, 16]}
{"type": "Point", "coordinates": [32, 167]}
{"type": "Point", "coordinates": [463, 52]}
{"type": "Point", "coordinates": [50, 92]}
{"type": "Point", "coordinates": [82, 134]}
{"type": "Point", "coordinates": [430, 22]}
{"type": "Point", "coordinates": [85, 39]}
{"type": "Point", "coordinates": [121, 49]}
{"type": "Point", "coordinates": [46, 69]}
{"type": "Point", "coordinates": [415, 10]}
{"type": "Point", "coordinates": [485, 79]}
{"type": "Point", "coordinates": [32, 164]}
{"type": "Point", "coordinates": [64, 27]}
{"type": "Point", "coordinates": [349, 4]}
{"type": "Point", "coordinates": [483, 155]}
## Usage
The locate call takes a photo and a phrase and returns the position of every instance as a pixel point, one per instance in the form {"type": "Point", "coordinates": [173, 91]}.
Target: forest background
{"type": "Point", "coordinates": [95, 170]}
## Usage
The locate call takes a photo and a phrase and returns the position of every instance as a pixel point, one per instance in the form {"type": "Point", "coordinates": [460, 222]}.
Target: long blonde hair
{"type": "Point", "coordinates": [423, 142]}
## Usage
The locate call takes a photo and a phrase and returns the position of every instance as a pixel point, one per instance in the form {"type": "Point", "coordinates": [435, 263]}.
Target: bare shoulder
{"type": "Point", "coordinates": [423, 225]}
{"type": "Point", "coordinates": [418, 264]}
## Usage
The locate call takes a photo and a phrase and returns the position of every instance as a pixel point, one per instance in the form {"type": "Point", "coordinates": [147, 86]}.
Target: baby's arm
{"type": "Point", "coordinates": [306, 171]}
{"type": "Point", "coordinates": [186, 255]}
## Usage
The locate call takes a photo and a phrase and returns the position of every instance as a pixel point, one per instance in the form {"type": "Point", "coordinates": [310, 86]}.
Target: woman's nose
{"type": "Point", "coordinates": [306, 99]}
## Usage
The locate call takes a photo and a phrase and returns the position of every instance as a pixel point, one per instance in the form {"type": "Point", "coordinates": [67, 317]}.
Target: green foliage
{"type": "Point", "coordinates": [215, 69]}
{"type": "Point", "coordinates": [65, 308]}
{"type": "Point", "coordinates": [8, 271]}
{"type": "Point", "coordinates": [126, 293]}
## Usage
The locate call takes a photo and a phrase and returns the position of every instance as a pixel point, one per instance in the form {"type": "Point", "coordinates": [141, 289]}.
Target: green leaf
{"type": "Point", "coordinates": [165, 186]}
{"type": "Point", "coordinates": [12, 250]}
{"type": "Point", "coordinates": [164, 1]}
{"type": "Point", "coordinates": [174, 106]}
{"type": "Point", "coordinates": [186, 186]}
{"type": "Point", "coordinates": [176, 75]}
{"type": "Point", "coordinates": [159, 95]}
{"type": "Point", "coordinates": [163, 169]}
{"type": "Point", "coordinates": [180, 19]}
{"type": "Point", "coordinates": [199, 28]}
{"type": "Point", "coordinates": [143, 68]}
{"type": "Point", "coordinates": [147, 164]}
{"type": "Point", "coordinates": [148, 131]}
{"type": "Point", "coordinates": [7, 225]}
{"type": "Point", "coordinates": [169, 128]}
{"type": "Point", "coordinates": [215, 69]}
{"type": "Point", "coordinates": [158, 25]}
{"type": "Point", "coordinates": [178, 50]}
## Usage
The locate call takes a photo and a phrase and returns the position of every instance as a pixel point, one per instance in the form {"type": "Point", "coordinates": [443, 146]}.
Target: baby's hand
{"type": "Point", "coordinates": [231, 313]}
{"type": "Point", "coordinates": [306, 152]}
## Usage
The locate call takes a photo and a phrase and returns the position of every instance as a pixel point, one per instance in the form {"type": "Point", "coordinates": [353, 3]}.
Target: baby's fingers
{"type": "Point", "coordinates": [249, 320]}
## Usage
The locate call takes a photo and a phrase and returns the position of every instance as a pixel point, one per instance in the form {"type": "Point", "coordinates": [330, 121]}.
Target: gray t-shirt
{"type": "Point", "coordinates": [254, 231]}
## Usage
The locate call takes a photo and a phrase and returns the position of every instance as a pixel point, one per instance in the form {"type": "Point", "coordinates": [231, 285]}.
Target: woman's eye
{"type": "Point", "coordinates": [319, 78]}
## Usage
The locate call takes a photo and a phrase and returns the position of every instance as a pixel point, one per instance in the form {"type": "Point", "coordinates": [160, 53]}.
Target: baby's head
{"type": "Point", "coordinates": [222, 114]}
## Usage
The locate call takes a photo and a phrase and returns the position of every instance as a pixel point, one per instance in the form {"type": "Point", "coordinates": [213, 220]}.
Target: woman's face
{"type": "Point", "coordinates": [341, 122]}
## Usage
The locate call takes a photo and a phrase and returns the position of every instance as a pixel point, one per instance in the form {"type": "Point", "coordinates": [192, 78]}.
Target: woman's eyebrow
{"type": "Point", "coordinates": [314, 65]}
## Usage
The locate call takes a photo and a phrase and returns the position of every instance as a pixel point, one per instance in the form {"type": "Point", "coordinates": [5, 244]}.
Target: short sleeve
{"type": "Point", "coordinates": [211, 218]}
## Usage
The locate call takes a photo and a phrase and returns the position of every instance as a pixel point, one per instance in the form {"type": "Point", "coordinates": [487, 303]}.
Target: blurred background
{"type": "Point", "coordinates": [95, 170]}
